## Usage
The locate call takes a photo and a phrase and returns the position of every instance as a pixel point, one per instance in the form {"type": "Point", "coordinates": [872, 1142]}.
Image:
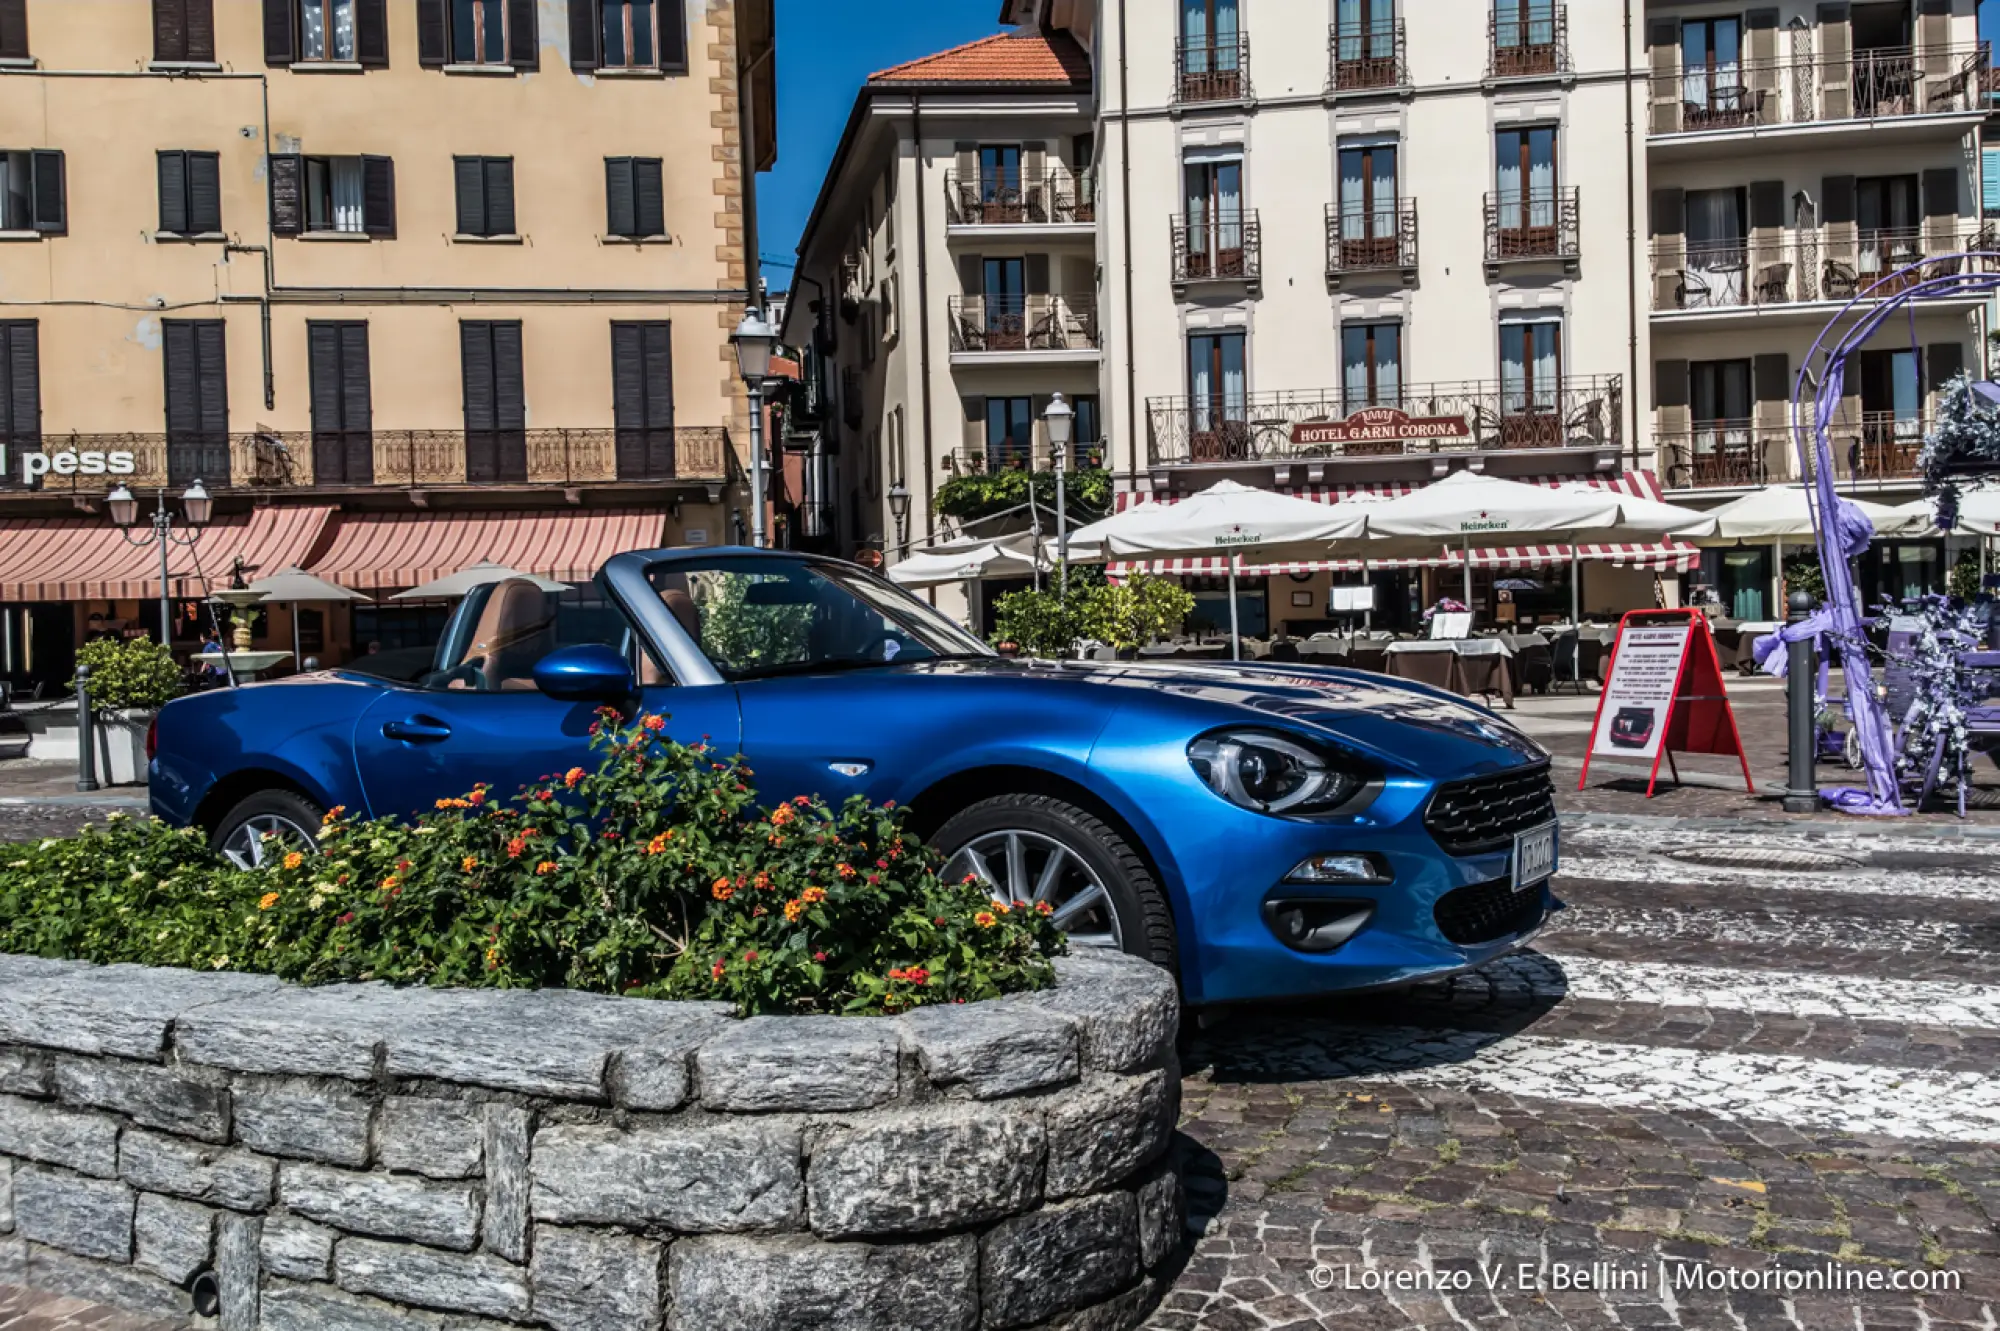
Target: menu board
{"type": "Point", "coordinates": [1639, 698]}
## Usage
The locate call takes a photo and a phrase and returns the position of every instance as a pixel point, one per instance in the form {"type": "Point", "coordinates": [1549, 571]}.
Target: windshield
{"type": "Point", "coordinates": [754, 618]}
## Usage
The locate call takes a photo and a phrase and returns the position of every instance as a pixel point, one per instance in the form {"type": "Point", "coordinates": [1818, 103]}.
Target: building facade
{"type": "Point", "coordinates": [401, 283]}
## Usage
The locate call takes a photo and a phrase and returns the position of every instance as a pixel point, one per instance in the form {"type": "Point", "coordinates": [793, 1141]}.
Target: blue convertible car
{"type": "Point", "coordinates": [1265, 830]}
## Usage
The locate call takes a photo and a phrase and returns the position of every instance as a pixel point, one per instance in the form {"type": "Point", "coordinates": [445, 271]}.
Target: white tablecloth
{"type": "Point", "coordinates": [1456, 646]}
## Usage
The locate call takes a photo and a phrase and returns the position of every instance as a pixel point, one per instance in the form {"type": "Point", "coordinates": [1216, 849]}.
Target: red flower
{"type": "Point", "coordinates": [655, 723]}
{"type": "Point", "coordinates": [543, 794]}
{"type": "Point", "coordinates": [819, 956]}
{"type": "Point", "coordinates": [874, 878]}
{"type": "Point", "coordinates": [801, 800]}
{"type": "Point", "coordinates": [716, 970]}
{"type": "Point", "coordinates": [881, 864]}
{"type": "Point", "coordinates": [749, 956]}
{"type": "Point", "coordinates": [346, 919]}
{"type": "Point", "coordinates": [476, 797]}
{"type": "Point", "coordinates": [516, 847]}
{"type": "Point", "coordinates": [898, 975]}
{"type": "Point", "coordinates": [403, 865]}
{"type": "Point", "coordinates": [917, 975]}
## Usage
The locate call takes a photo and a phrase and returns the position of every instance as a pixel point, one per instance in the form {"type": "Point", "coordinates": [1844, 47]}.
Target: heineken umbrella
{"type": "Point", "coordinates": [965, 560]}
{"type": "Point", "coordinates": [454, 585]}
{"type": "Point", "coordinates": [295, 586]}
{"type": "Point", "coordinates": [1777, 513]}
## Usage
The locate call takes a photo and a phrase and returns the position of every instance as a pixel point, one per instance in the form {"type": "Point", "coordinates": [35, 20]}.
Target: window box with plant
{"type": "Point", "coordinates": [130, 681]}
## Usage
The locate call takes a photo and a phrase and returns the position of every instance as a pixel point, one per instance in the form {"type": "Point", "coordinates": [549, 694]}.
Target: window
{"type": "Point", "coordinates": [184, 32]}
{"type": "Point", "coordinates": [503, 630]}
{"type": "Point", "coordinates": [627, 34]}
{"type": "Point", "coordinates": [335, 32]}
{"type": "Point", "coordinates": [20, 389]}
{"type": "Point", "coordinates": [1214, 192]}
{"type": "Point", "coordinates": [14, 30]}
{"type": "Point", "coordinates": [1718, 248]}
{"type": "Point", "coordinates": [642, 399]}
{"type": "Point", "coordinates": [326, 30]}
{"type": "Point", "coordinates": [197, 396]}
{"type": "Point", "coordinates": [629, 39]}
{"type": "Point", "coordinates": [1087, 433]}
{"type": "Point", "coordinates": [485, 195]}
{"type": "Point", "coordinates": [356, 195]}
{"type": "Point", "coordinates": [31, 192]}
{"type": "Point", "coordinates": [1525, 166]}
{"type": "Point", "coordinates": [1519, 24]}
{"type": "Point", "coordinates": [495, 33]}
{"type": "Point", "coordinates": [190, 193]}
{"type": "Point", "coordinates": [342, 405]}
{"type": "Point", "coordinates": [479, 32]}
{"type": "Point", "coordinates": [1719, 410]}
{"type": "Point", "coordinates": [496, 413]}
{"type": "Point", "coordinates": [635, 197]}
{"type": "Point", "coordinates": [1530, 366]}
{"type": "Point", "coordinates": [1711, 68]}
{"type": "Point", "coordinates": [1209, 32]}
{"type": "Point", "coordinates": [1888, 216]}
{"type": "Point", "coordinates": [1371, 365]}
{"type": "Point", "coordinates": [1010, 432]}
{"type": "Point", "coordinates": [1218, 391]}
{"type": "Point", "coordinates": [1367, 200]}
{"type": "Point", "coordinates": [1000, 182]}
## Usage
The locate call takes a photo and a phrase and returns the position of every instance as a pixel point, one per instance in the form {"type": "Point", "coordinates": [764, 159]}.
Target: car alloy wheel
{"type": "Point", "coordinates": [262, 836]}
{"type": "Point", "coordinates": [1026, 868]}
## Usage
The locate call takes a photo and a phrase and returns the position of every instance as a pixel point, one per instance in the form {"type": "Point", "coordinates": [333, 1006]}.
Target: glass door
{"type": "Point", "coordinates": [1000, 183]}
{"type": "Point", "coordinates": [1711, 72]}
{"type": "Point", "coordinates": [1531, 384]}
{"type": "Point", "coordinates": [1006, 301]}
{"type": "Point", "coordinates": [1718, 248]}
{"type": "Point", "coordinates": [1888, 219]}
{"type": "Point", "coordinates": [1720, 405]}
{"type": "Point", "coordinates": [1525, 188]}
{"type": "Point", "coordinates": [1368, 226]}
{"type": "Point", "coordinates": [1218, 396]}
{"type": "Point", "coordinates": [1214, 218]}
{"type": "Point", "coordinates": [1010, 433]}
{"type": "Point", "coordinates": [1210, 59]}
{"type": "Point", "coordinates": [1892, 415]}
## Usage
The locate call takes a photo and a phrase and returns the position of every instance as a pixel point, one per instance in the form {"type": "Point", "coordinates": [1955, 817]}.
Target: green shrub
{"type": "Point", "coordinates": [130, 674]}
{"type": "Point", "coordinates": [1047, 623]}
{"type": "Point", "coordinates": [1136, 611]}
{"type": "Point", "coordinates": [654, 875]}
{"type": "Point", "coordinates": [982, 494]}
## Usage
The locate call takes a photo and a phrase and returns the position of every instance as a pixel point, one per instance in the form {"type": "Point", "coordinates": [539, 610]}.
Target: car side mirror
{"type": "Point", "coordinates": [588, 673]}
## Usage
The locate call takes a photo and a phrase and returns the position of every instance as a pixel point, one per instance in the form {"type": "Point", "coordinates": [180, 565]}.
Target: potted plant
{"type": "Point", "coordinates": [130, 681]}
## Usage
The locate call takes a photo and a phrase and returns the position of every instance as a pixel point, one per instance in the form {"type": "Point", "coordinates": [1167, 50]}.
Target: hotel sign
{"type": "Point", "coordinates": [1381, 425]}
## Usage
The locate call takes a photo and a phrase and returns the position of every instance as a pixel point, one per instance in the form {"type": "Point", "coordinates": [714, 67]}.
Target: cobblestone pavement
{"type": "Point", "coordinates": [1709, 1069]}
{"type": "Point", "coordinates": [25, 1310]}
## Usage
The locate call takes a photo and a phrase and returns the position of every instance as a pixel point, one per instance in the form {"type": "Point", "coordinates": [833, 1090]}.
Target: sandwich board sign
{"type": "Point", "coordinates": [1665, 696]}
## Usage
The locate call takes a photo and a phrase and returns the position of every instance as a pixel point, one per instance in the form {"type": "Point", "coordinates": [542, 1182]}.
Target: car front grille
{"type": "Point", "coordinates": [1482, 815]}
{"type": "Point", "coordinates": [1487, 911]}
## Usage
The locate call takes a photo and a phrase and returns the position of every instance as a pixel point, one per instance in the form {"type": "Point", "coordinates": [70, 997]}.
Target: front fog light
{"type": "Point", "coordinates": [1305, 925]}
{"type": "Point", "coordinates": [1341, 868]}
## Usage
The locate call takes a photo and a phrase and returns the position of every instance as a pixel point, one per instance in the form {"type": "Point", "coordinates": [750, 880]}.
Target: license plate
{"type": "Point", "coordinates": [1534, 857]}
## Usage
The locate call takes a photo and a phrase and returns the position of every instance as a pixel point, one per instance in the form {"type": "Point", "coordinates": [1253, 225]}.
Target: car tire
{"type": "Point", "coordinates": [240, 836]}
{"type": "Point", "coordinates": [1099, 856]}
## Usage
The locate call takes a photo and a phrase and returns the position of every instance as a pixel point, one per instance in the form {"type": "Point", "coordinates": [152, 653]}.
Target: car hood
{"type": "Point", "coordinates": [1399, 723]}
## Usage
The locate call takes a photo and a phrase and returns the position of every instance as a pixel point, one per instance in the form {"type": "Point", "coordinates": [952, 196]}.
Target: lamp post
{"type": "Point", "coordinates": [196, 509]}
{"type": "Point", "coordinates": [1061, 420]}
{"type": "Point", "coordinates": [899, 509]}
{"type": "Point", "coordinates": [754, 339]}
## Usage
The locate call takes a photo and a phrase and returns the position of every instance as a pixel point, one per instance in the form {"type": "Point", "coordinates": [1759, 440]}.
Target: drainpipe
{"type": "Point", "coordinates": [1125, 208]}
{"type": "Point", "coordinates": [923, 248]}
{"type": "Point", "coordinates": [1631, 241]}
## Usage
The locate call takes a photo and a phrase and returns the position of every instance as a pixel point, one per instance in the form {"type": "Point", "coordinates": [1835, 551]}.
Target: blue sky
{"type": "Point", "coordinates": [824, 54]}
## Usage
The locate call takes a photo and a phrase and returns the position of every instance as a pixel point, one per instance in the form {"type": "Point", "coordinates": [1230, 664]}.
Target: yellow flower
{"type": "Point", "coordinates": [268, 900]}
{"type": "Point", "coordinates": [469, 863]}
{"type": "Point", "coordinates": [794, 909]}
{"type": "Point", "coordinates": [546, 867]}
{"type": "Point", "coordinates": [294, 860]}
{"type": "Point", "coordinates": [984, 919]}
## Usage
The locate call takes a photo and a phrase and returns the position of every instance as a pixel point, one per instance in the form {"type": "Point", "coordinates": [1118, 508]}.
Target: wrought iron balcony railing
{"type": "Point", "coordinates": [1018, 455]}
{"type": "Point", "coordinates": [1024, 323]}
{"type": "Point", "coordinates": [1833, 263]}
{"type": "Point", "coordinates": [1875, 83]}
{"type": "Point", "coordinates": [1212, 71]}
{"type": "Point", "coordinates": [1538, 224]}
{"type": "Point", "coordinates": [1226, 247]}
{"type": "Point", "coordinates": [1729, 454]}
{"type": "Point", "coordinates": [308, 459]}
{"type": "Point", "coordinates": [1371, 239]}
{"type": "Point", "coordinates": [1369, 55]}
{"type": "Point", "coordinates": [1420, 420]}
{"type": "Point", "coordinates": [1055, 197]}
{"type": "Point", "coordinates": [1885, 448]}
{"type": "Point", "coordinates": [1527, 43]}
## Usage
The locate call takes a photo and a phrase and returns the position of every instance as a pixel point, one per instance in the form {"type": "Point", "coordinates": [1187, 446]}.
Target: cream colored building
{"type": "Point", "coordinates": [413, 263]}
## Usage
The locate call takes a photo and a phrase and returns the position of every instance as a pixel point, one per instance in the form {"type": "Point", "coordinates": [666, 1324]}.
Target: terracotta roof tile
{"type": "Point", "coordinates": [1008, 57]}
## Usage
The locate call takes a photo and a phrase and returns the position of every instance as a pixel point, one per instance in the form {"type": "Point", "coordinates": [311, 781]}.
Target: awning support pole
{"type": "Point", "coordinates": [1235, 630]}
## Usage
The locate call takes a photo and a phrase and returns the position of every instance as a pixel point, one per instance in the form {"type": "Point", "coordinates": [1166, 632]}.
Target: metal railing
{"type": "Point", "coordinates": [1529, 45]}
{"type": "Point", "coordinates": [1025, 323]}
{"type": "Point", "coordinates": [1885, 448]}
{"type": "Point", "coordinates": [1015, 455]}
{"type": "Point", "coordinates": [1056, 197]}
{"type": "Point", "coordinates": [1368, 56]}
{"type": "Point", "coordinates": [306, 459]}
{"type": "Point", "coordinates": [1535, 224]}
{"type": "Point", "coordinates": [1223, 248]}
{"type": "Point", "coordinates": [1363, 239]}
{"type": "Point", "coordinates": [1833, 263]}
{"type": "Point", "coordinates": [1723, 454]}
{"type": "Point", "coordinates": [1212, 71]}
{"type": "Point", "coordinates": [1578, 412]}
{"type": "Point", "coordinates": [1869, 84]}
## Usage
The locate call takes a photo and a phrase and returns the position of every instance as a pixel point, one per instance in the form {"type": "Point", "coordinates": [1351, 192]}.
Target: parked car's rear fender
{"type": "Point", "coordinates": [228, 791]}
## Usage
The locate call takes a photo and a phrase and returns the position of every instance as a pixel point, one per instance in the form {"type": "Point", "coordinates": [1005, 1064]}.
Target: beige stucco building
{"type": "Point", "coordinates": [412, 266]}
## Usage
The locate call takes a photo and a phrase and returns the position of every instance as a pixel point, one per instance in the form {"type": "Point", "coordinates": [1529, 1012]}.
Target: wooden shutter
{"type": "Point", "coordinates": [974, 436]}
{"type": "Point", "coordinates": [524, 38]}
{"type": "Point", "coordinates": [212, 373]}
{"type": "Point", "coordinates": [183, 392]}
{"type": "Point", "coordinates": [584, 35]}
{"type": "Point", "coordinates": [642, 399]}
{"type": "Point", "coordinates": [1771, 377]}
{"type": "Point", "coordinates": [1941, 192]}
{"type": "Point", "coordinates": [371, 33]}
{"type": "Point", "coordinates": [499, 179]}
{"type": "Point", "coordinates": [1836, 200]}
{"type": "Point", "coordinates": [1035, 274]}
{"type": "Point", "coordinates": [14, 30]}
{"type": "Point", "coordinates": [510, 409]}
{"type": "Point", "coordinates": [357, 407]}
{"type": "Point", "coordinates": [673, 37]}
{"type": "Point", "coordinates": [475, 351]}
{"type": "Point", "coordinates": [649, 202]}
{"type": "Point", "coordinates": [378, 196]}
{"type": "Point", "coordinates": [621, 218]}
{"type": "Point", "coordinates": [170, 30]}
{"type": "Point", "coordinates": [1767, 203]}
{"type": "Point", "coordinates": [204, 193]}
{"type": "Point", "coordinates": [1663, 38]}
{"type": "Point", "coordinates": [51, 210]}
{"type": "Point", "coordinates": [1836, 49]}
{"type": "Point", "coordinates": [433, 46]}
{"type": "Point", "coordinates": [21, 393]}
{"type": "Point", "coordinates": [1669, 212]}
{"type": "Point", "coordinates": [281, 32]}
{"type": "Point", "coordinates": [288, 203]}
{"type": "Point", "coordinates": [323, 390]}
{"type": "Point", "coordinates": [1670, 383]}
{"type": "Point", "coordinates": [1944, 362]}
{"type": "Point", "coordinates": [173, 193]}
{"type": "Point", "coordinates": [1669, 223]}
{"type": "Point", "coordinates": [197, 400]}
{"type": "Point", "coordinates": [469, 181]}
{"type": "Point", "coordinates": [342, 409]}
{"type": "Point", "coordinates": [495, 446]}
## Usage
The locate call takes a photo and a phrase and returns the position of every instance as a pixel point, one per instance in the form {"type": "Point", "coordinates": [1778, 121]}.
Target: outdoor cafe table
{"type": "Point", "coordinates": [1465, 666]}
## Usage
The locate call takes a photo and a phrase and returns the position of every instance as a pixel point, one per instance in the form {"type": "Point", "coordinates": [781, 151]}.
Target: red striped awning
{"type": "Point", "coordinates": [83, 559]}
{"type": "Point", "coordinates": [1667, 556]}
{"type": "Point", "coordinates": [384, 551]}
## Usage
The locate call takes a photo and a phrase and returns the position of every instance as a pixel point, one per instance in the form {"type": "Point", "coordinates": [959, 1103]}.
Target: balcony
{"type": "Point", "coordinates": [1371, 241]}
{"type": "Point", "coordinates": [1830, 264]}
{"type": "Point", "coordinates": [1724, 455]}
{"type": "Point", "coordinates": [1031, 327]}
{"type": "Point", "coordinates": [270, 461]}
{"type": "Point", "coordinates": [1224, 248]}
{"type": "Point", "coordinates": [1427, 422]}
{"type": "Point", "coordinates": [1057, 198]}
{"type": "Point", "coordinates": [1528, 47]}
{"type": "Point", "coordinates": [1012, 455]}
{"type": "Point", "coordinates": [1540, 226]}
{"type": "Point", "coordinates": [1368, 59]}
{"type": "Point", "coordinates": [1884, 83]}
{"type": "Point", "coordinates": [1885, 448]}
{"type": "Point", "coordinates": [1211, 71]}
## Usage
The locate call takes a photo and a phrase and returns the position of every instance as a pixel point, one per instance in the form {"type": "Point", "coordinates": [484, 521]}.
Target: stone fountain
{"type": "Point", "coordinates": [240, 661]}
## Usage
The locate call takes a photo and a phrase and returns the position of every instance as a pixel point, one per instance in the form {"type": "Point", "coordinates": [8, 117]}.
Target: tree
{"type": "Point", "coordinates": [1964, 443]}
{"type": "Point", "coordinates": [1137, 611]}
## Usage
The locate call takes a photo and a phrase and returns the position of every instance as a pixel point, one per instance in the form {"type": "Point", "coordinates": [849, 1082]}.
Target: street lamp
{"type": "Point", "coordinates": [1061, 420]}
{"type": "Point", "coordinates": [196, 509]}
{"type": "Point", "coordinates": [754, 339]}
{"type": "Point", "coordinates": [899, 509]}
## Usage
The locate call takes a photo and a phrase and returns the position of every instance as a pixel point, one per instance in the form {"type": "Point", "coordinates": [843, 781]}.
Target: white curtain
{"type": "Point", "coordinates": [1353, 196]}
{"type": "Point", "coordinates": [1235, 383]}
{"type": "Point", "coordinates": [1509, 183]}
{"type": "Point", "coordinates": [1528, 383]}
{"type": "Point", "coordinates": [1194, 31]}
{"type": "Point", "coordinates": [1542, 177]}
{"type": "Point", "coordinates": [1201, 383]}
{"type": "Point", "coordinates": [1225, 34]}
{"type": "Point", "coordinates": [314, 29]}
{"type": "Point", "coordinates": [1353, 41]}
{"type": "Point", "coordinates": [347, 207]}
{"type": "Point", "coordinates": [1229, 206]}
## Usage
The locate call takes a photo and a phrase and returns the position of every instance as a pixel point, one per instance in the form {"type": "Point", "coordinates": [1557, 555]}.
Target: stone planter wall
{"type": "Point", "coordinates": [361, 1158]}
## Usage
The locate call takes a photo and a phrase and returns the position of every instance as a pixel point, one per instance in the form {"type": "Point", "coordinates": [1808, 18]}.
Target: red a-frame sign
{"type": "Point", "coordinates": [1665, 695]}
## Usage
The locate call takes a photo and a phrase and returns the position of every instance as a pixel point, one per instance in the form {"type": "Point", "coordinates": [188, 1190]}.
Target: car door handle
{"type": "Point", "coordinates": [415, 729]}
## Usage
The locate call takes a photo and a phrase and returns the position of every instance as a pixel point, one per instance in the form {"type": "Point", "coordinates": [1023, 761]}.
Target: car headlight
{"type": "Point", "coordinates": [1268, 773]}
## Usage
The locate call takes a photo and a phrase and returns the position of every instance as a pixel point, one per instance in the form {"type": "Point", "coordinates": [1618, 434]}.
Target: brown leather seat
{"type": "Point", "coordinates": [682, 607]}
{"type": "Point", "coordinates": [515, 631]}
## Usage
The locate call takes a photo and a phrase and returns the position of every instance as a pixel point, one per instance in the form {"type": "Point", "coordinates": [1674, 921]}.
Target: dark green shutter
{"type": "Point", "coordinates": [378, 196]}
{"type": "Point", "coordinates": [288, 193]}
{"type": "Point", "coordinates": [173, 193]}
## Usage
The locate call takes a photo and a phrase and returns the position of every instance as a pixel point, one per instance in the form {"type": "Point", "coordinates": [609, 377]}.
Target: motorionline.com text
{"type": "Point", "coordinates": [1828, 1277]}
